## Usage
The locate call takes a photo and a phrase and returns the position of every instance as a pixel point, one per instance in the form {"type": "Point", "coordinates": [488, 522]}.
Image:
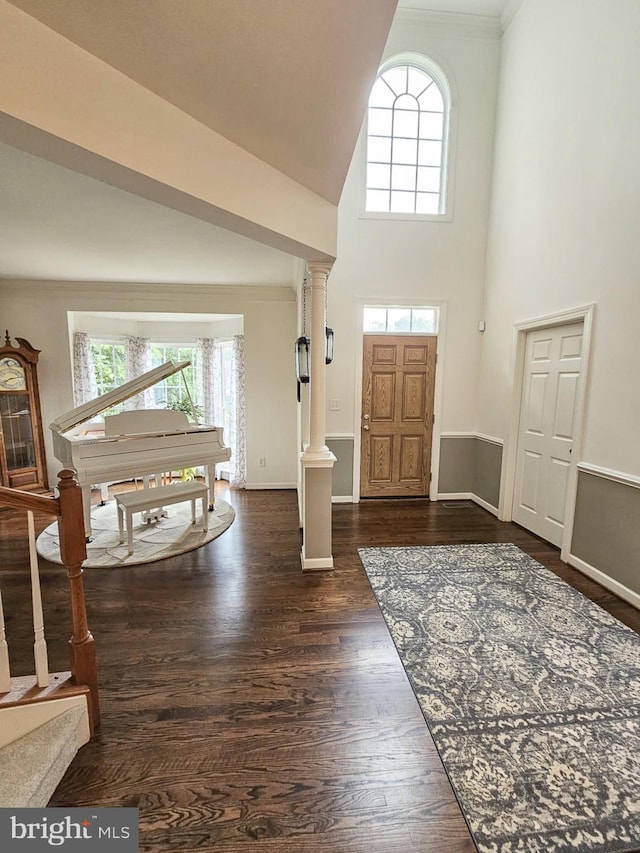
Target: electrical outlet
{"type": "Point", "coordinates": [262, 462]}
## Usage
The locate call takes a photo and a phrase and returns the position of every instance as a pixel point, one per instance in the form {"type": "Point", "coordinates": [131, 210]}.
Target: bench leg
{"type": "Point", "coordinates": [130, 531]}
{"type": "Point", "coordinates": [120, 523]}
{"type": "Point", "coordinates": [193, 511]}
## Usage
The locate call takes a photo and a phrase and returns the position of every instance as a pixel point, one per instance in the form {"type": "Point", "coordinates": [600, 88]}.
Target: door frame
{"type": "Point", "coordinates": [392, 302]}
{"type": "Point", "coordinates": [584, 315]}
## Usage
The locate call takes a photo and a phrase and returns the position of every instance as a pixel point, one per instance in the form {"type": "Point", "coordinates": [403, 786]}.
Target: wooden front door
{"type": "Point", "coordinates": [397, 415]}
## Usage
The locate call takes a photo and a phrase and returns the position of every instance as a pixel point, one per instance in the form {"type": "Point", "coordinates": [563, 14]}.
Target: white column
{"type": "Point", "coordinates": [305, 323]}
{"type": "Point", "coordinates": [318, 273]}
{"type": "Point", "coordinates": [317, 460]}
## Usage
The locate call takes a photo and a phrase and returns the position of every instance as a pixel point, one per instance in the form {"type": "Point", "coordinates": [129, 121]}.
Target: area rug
{"type": "Point", "coordinates": [531, 693]}
{"type": "Point", "coordinates": [151, 541]}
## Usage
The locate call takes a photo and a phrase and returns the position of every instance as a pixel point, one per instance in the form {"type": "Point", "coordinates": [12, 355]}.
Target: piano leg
{"type": "Point", "coordinates": [210, 480]}
{"type": "Point", "coordinates": [104, 493]}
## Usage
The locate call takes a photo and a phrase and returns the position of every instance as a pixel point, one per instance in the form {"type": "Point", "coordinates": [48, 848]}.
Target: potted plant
{"type": "Point", "coordinates": [194, 413]}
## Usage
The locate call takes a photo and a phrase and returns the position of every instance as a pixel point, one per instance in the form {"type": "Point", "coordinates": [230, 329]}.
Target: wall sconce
{"type": "Point", "coordinates": [303, 367]}
{"type": "Point", "coordinates": [328, 357]}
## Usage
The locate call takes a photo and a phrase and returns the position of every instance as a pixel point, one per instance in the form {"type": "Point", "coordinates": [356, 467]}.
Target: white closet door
{"type": "Point", "coordinates": [547, 423]}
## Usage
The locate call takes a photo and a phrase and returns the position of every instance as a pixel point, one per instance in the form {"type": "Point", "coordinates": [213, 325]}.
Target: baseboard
{"type": "Point", "coordinates": [466, 496]}
{"type": "Point", "coordinates": [485, 505]}
{"type": "Point", "coordinates": [452, 496]}
{"type": "Point", "coordinates": [605, 580]}
{"type": "Point", "coordinates": [315, 564]}
{"type": "Point", "coordinates": [255, 486]}
{"type": "Point", "coordinates": [341, 499]}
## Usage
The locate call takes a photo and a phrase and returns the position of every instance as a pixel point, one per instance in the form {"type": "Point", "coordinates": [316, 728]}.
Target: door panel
{"type": "Point", "coordinates": [383, 392]}
{"type": "Point", "coordinates": [397, 414]}
{"type": "Point", "coordinates": [535, 409]}
{"type": "Point", "coordinates": [381, 458]}
{"type": "Point", "coordinates": [415, 354]}
{"type": "Point", "coordinates": [557, 491]}
{"type": "Point", "coordinates": [413, 396]}
{"type": "Point", "coordinates": [411, 454]}
{"type": "Point", "coordinates": [566, 405]}
{"type": "Point", "coordinates": [530, 480]}
{"type": "Point", "coordinates": [551, 383]}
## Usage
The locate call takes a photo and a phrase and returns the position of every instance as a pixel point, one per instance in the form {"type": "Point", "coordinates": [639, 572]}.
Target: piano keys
{"type": "Point", "coordinates": [136, 443]}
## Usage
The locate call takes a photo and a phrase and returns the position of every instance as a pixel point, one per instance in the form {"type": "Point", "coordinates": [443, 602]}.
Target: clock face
{"type": "Point", "coordinates": [11, 375]}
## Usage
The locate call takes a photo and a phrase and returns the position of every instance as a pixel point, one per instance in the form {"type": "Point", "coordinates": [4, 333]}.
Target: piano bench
{"type": "Point", "coordinates": [129, 502]}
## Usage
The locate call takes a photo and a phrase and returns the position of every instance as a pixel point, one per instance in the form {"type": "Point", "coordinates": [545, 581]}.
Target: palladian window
{"type": "Point", "coordinates": [407, 125]}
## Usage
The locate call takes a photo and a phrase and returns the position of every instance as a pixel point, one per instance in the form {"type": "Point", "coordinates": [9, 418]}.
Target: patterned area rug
{"type": "Point", "coordinates": [151, 541]}
{"type": "Point", "coordinates": [531, 693]}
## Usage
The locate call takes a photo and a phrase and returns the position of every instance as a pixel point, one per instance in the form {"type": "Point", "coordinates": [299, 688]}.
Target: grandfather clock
{"type": "Point", "coordinates": [22, 460]}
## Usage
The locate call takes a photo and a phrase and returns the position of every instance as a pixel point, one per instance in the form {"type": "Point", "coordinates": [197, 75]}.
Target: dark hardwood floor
{"type": "Point", "coordinates": [246, 706]}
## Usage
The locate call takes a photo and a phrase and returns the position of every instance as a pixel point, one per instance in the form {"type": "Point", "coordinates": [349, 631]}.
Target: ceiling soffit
{"type": "Point", "coordinates": [286, 80]}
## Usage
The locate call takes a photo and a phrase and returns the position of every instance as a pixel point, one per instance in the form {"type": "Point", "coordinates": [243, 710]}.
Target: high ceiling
{"type": "Point", "coordinates": [262, 73]}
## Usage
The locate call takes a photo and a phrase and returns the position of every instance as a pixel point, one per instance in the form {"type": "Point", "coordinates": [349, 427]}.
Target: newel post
{"type": "Point", "coordinates": [73, 552]}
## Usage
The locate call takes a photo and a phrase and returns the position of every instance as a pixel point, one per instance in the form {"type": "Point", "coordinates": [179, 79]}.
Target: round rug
{"type": "Point", "coordinates": [151, 540]}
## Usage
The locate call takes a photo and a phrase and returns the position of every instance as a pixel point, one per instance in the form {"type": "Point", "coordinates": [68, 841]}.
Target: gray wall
{"type": "Point", "coordinates": [342, 480]}
{"type": "Point", "coordinates": [467, 464]}
{"type": "Point", "coordinates": [486, 474]}
{"type": "Point", "coordinates": [470, 464]}
{"type": "Point", "coordinates": [606, 529]}
{"type": "Point", "coordinates": [457, 463]}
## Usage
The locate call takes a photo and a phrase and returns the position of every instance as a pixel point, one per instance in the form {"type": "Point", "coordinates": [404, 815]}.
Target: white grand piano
{"type": "Point", "coordinates": [133, 444]}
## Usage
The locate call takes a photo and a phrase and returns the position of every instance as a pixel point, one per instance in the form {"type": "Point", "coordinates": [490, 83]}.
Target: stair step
{"type": "Point", "coordinates": [32, 766]}
{"type": "Point", "coordinates": [24, 688]}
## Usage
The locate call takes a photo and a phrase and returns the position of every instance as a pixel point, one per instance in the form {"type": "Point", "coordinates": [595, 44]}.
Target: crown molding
{"type": "Point", "coordinates": [452, 24]}
{"type": "Point", "coordinates": [172, 291]}
{"type": "Point", "coordinates": [510, 11]}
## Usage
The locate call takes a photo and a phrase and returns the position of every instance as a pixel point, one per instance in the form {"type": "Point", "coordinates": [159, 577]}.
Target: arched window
{"type": "Point", "coordinates": [407, 128]}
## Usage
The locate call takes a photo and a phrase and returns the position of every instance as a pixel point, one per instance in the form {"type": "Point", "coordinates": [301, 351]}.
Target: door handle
{"type": "Point", "coordinates": [365, 427]}
{"type": "Point", "coordinates": [366, 417]}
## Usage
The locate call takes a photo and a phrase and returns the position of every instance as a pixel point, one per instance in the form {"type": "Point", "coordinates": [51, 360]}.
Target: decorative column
{"type": "Point", "coordinates": [317, 460]}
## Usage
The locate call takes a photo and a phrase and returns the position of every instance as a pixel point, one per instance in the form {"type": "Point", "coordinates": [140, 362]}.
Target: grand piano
{"type": "Point", "coordinates": [136, 443]}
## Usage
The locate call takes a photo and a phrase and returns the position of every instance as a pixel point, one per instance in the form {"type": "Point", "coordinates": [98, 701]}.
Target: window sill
{"type": "Point", "coordinates": [408, 217]}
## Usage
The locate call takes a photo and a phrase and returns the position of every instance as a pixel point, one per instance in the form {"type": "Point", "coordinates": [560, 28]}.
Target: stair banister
{"type": "Point", "coordinates": [73, 552]}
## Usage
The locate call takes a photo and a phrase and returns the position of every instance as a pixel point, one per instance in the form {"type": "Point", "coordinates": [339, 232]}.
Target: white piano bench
{"type": "Point", "coordinates": [154, 499]}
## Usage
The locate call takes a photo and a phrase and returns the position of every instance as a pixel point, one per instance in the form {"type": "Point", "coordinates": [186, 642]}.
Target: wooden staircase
{"type": "Point", "coordinates": [46, 717]}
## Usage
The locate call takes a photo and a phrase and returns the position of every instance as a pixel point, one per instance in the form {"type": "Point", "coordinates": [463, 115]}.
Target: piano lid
{"type": "Point", "coordinates": [93, 408]}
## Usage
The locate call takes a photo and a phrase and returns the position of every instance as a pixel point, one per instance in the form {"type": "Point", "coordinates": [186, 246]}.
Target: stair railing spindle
{"type": "Point", "coordinates": [40, 644]}
{"type": "Point", "coordinates": [5, 672]}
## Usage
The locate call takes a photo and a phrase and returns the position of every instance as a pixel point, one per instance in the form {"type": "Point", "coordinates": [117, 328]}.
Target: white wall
{"type": "Point", "coordinates": [166, 330]}
{"type": "Point", "coordinates": [423, 261]}
{"type": "Point", "coordinates": [566, 207]}
{"type": "Point", "coordinates": [38, 311]}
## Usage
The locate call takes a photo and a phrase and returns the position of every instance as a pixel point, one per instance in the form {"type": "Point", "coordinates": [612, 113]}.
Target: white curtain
{"type": "Point", "coordinates": [84, 374]}
{"type": "Point", "coordinates": [238, 416]}
{"type": "Point", "coordinates": [137, 360]}
{"type": "Point", "coordinates": [209, 379]}
{"type": "Point", "coordinates": [209, 376]}
{"type": "Point", "coordinates": [209, 383]}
